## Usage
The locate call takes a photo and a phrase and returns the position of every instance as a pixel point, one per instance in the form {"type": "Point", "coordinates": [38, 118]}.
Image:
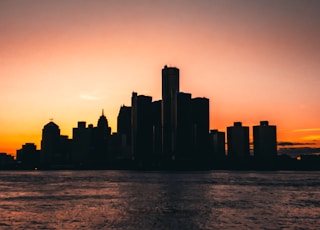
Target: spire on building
{"type": "Point", "coordinates": [103, 123]}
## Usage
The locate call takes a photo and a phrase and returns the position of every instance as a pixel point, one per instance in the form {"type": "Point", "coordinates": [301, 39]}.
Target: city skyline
{"type": "Point", "coordinates": [67, 61]}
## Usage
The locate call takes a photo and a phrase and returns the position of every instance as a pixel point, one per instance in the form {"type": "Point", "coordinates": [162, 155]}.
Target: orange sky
{"type": "Point", "coordinates": [67, 60]}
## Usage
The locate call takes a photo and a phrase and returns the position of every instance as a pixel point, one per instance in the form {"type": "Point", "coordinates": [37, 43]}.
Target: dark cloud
{"type": "Point", "coordinates": [294, 152]}
{"type": "Point", "coordinates": [294, 143]}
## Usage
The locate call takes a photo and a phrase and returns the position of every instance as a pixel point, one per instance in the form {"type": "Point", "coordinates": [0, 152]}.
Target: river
{"type": "Point", "coordinates": [159, 200]}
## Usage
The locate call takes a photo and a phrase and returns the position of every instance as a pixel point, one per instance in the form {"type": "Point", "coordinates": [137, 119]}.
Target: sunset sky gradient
{"type": "Point", "coordinates": [67, 60]}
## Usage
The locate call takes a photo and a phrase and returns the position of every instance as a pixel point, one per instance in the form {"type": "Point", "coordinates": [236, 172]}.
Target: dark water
{"type": "Point", "coordinates": [159, 200]}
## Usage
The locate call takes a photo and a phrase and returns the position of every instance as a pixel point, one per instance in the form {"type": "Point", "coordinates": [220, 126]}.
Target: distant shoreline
{"type": "Point", "coordinates": [280, 163]}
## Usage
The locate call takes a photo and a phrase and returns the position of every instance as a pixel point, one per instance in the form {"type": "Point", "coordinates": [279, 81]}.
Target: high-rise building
{"type": "Point", "coordinates": [65, 150]}
{"type": "Point", "coordinates": [55, 148]}
{"type": "Point", "coordinates": [200, 116]}
{"type": "Point", "coordinates": [28, 157]}
{"type": "Point", "coordinates": [217, 143]}
{"type": "Point", "coordinates": [170, 89]}
{"type": "Point", "coordinates": [184, 127]}
{"type": "Point", "coordinates": [82, 145]}
{"type": "Point", "coordinates": [103, 125]}
{"type": "Point", "coordinates": [124, 125]}
{"type": "Point", "coordinates": [90, 146]}
{"type": "Point", "coordinates": [156, 128]}
{"type": "Point", "coordinates": [123, 138]}
{"type": "Point", "coordinates": [142, 130]}
{"type": "Point", "coordinates": [50, 145]}
{"type": "Point", "coordinates": [238, 141]}
{"type": "Point", "coordinates": [7, 161]}
{"type": "Point", "coordinates": [101, 138]}
{"type": "Point", "coordinates": [265, 140]}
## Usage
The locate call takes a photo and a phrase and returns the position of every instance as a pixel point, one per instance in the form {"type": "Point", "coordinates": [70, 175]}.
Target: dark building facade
{"type": "Point", "coordinates": [65, 149]}
{"type": "Point", "coordinates": [170, 89]}
{"type": "Point", "coordinates": [184, 127]}
{"type": "Point", "coordinates": [101, 139]}
{"type": "Point", "coordinates": [50, 145]}
{"type": "Point", "coordinates": [124, 124]}
{"type": "Point", "coordinates": [156, 129]}
{"type": "Point", "coordinates": [124, 132]}
{"type": "Point", "coordinates": [217, 144]}
{"type": "Point", "coordinates": [200, 116]}
{"type": "Point", "coordinates": [238, 141]}
{"type": "Point", "coordinates": [7, 161]}
{"type": "Point", "coordinates": [142, 128]}
{"type": "Point", "coordinates": [28, 157]}
{"type": "Point", "coordinates": [82, 145]}
{"type": "Point", "coordinates": [91, 145]}
{"type": "Point", "coordinates": [265, 140]}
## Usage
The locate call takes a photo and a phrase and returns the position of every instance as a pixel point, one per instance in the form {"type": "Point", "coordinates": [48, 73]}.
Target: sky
{"type": "Point", "coordinates": [67, 60]}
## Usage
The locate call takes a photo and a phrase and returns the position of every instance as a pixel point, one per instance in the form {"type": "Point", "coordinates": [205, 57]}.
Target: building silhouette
{"type": "Point", "coordinates": [91, 145]}
{"type": "Point", "coordinates": [172, 133]}
{"type": "Point", "coordinates": [82, 145]}
{"type": "Point", "coordinates": [55, 148]}
{"type": "Point", "coordinates": [184, 127]}
{"type": "Point", "coordinates": [124, 132]}
{"type": "Point", "coordinates": [124, 125]}
{"type": "Point", "coordinates": [101, 139]}
{"type": "Point", "coordinates": [170, 89]}
{"type": "Point", "coordinates": [65, 150]}
{"type": "Point", "coordinates": [200, 116]}
{"type": "Point", "coordinates": [156, 130]}
{"type": "Point", "coordinates": [28, 157]}
{"type": "Point", "coordinates": [265, 140]}
{"type": "Point", "coordinates": [142, 128]}
{"type": "Point", "coordinates": [7, 161]}
{"type": "Point", "coordinates": [238, 141]}
{"type": "Point", "coordinates": [50, 145]}
{"type": "Point", "coordinates": [217, 144]}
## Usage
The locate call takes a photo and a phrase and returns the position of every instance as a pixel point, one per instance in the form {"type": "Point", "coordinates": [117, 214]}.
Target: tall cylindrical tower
{"type": "Point", "coordinates": [170, 89]}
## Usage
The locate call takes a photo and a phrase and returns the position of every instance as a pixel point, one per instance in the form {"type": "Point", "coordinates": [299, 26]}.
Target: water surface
{"type": "Point", "coordinates": [159, 200]}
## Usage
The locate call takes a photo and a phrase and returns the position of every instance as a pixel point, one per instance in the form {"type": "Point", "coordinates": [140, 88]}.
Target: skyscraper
{"type": "Point", "coordinates": [123, 140]}
{"type": "Point", "coordinates": [82, 145]}
{"type": "Point", "coordinates": [157, 130]}
{"type": "Point", "coordinates": [265, 140]}
{"type": "Point", "coordinates": [200, 116]}
{"type": "Point", "coordinates": [184, 127]}
{"type": "Point", "coordinates": [238, 141]}
{"type": "Point", "coordinates": [103, 125]}
{"type": "Point", "coordinates": [170, 89]}
{"type": "Point", "coordinates": [50, 144]}
{"type": "Point", "coordinates": [91, 145]}
{"type": "Point", "coordinates": [28, 156]}
{"type": "Point", "coordinates": [142, 130]}
{"type": "Point", "coordinates": [101, 142]}
{"type": "Point", "coordinates": [124, 125]}
{"type": "Point", "coordinates": [217, 143]}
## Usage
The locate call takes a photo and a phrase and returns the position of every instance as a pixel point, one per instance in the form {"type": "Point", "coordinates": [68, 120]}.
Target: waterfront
{"type": "Point", "coordinates": [159, 200]}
